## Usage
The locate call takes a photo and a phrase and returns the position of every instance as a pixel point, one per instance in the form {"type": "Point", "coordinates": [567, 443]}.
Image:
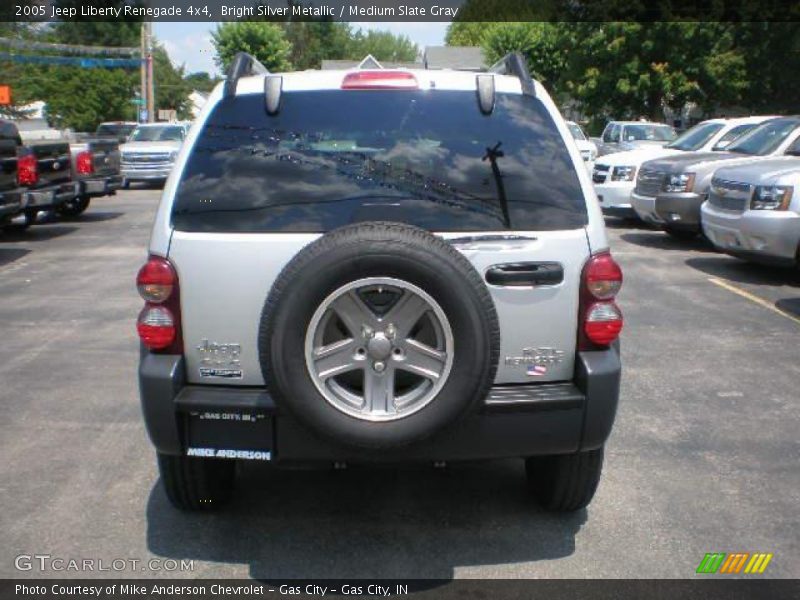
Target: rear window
{"type": "Point", "coordinates": [330, 158]}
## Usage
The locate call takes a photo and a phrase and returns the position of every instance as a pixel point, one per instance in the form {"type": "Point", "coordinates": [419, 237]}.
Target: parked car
{"type": "Point", "coordinates": [586, 147]}
{"type": "Point", "coordinates": [669, 191]}
{"type": "Point", "coordinates": [96, 167]}
{"type": "Point", "coordinates": [150, 152]}
{"type": "Point", "coordinates": [753, 211]}
{"type": "Point", "coordinates": [619, 136]}
{"type": "Point", "coordinates": [614, 174]}
{"type": "Point", "coordinates": [11, 195]}
{"type": "Point", "coordinates": [42, 171]}
{"type": "Point", "coordinates": [120, 130]}
{"type": "Point", "coordinates": [424, 275]}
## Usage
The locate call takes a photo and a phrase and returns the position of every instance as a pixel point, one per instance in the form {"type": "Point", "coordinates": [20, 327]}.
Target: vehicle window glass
{"type": "Point", "coordinates": [429, 158]}
{"type": "Point", "coordinates": [9, 133]}
{"type": "Point", "coordinates": [696, 137]}
{"type": "Point", "coordinates": [652, 133]}
{"type": "Point", "coordinates": [732, 135]}
{"type": "Point", "coordinates": [765, 139]}
{"type": "Point", "coordinates": [576, 131]}
{"type": "Point", "coordinates": [794, 148]}
{"type": "Point", "coordinates": [613, 134]}
{"type": "Point", "coordinates": [157, 134]}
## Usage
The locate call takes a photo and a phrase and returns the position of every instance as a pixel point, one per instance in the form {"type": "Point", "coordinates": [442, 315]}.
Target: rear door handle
{"type": "Point", "coordinates": [525, 274]}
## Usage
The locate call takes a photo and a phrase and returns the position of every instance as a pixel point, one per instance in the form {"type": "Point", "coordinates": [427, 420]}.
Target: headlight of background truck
{"type": "Point", "coordinates": [771, 197]}
{"type": "Point", "coordinates": [623, 173]}
{"type": "Point", "coordinates": [680, 183]}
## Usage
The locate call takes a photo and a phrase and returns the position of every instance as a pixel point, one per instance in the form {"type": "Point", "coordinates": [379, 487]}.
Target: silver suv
{"type": "Point", "coordinates": [379, 265]}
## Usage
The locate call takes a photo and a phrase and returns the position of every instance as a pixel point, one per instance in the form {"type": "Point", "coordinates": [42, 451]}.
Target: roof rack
{"type": "Point", "coordinates": [243, 65]}
{"type": "Point", "coordinates": [514, 64]}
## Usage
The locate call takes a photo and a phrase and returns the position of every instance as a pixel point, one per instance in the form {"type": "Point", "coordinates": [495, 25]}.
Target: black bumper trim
{"type": "Point", "coordinates": [515, 420]}
{"type": "Point", "coordinates": [534, 398]}
{"type": "Point", "coordinates": [202, 397]}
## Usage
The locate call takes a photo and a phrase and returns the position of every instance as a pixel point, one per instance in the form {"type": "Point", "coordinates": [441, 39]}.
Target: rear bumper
{"type": "Point", "coordinates": [10, 203]}
{"type": "Point", "coordinates": [50, 197]}
{"type": "Point", "coordinates": [101, 186]}
{"type": "Point", "coordinates": [514, 421]}
{"type": "Point", "coordinates": [680, 210]}
{"type": "Point", "coordinates": [771, 237]}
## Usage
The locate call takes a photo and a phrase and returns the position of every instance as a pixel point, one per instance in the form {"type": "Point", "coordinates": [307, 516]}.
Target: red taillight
{"type": "Point", "coordinates": [380, 80]}
{"type": "Point", "coordinates": [603, 277]}
{"type": "Point", "coordinates": [603, 323]}
{"type": "Point", "coordinates": [600, 318]}
{"type": "Point", "coordinates": [156, 279]}
{"type": "Point", "coordinates": [83, 163]}
{"type": "Point", "coordinates": [27, 170]}
{"type": "Point", "coordinates": [158, 324]}
{"type": "Point", "coordinates": [156, 327]}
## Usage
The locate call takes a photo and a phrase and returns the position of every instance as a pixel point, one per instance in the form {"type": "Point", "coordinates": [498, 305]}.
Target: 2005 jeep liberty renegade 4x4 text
{"type": "Point", "coordinates": [379, 266]}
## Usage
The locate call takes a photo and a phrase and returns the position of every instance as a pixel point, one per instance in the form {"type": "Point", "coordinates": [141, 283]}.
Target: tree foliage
{"type": "Point", "coordinates": [313, 41]}
{"type": "Point", "coordinates": [631, 69]}
{"type": "Point", "coordinates": [171, 89]}
{"type": "Point", "coordinates": [201, 81]}
{"type": "Point", "coordinates": [383, 45]}
{"type": "Point", "coordinates": [266, 41]}
{"type": "Point", "coordinates": [540, 43]}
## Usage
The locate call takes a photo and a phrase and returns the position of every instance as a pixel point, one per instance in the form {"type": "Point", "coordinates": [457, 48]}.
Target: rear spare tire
{"type": "Point", "coordinates": [378, 335]}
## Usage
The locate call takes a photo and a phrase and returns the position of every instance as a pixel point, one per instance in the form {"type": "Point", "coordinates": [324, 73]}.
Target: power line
{"type": "Point", "coordinates": [75, 61]}
{"type": "Point", "coordinates": [69, 48]}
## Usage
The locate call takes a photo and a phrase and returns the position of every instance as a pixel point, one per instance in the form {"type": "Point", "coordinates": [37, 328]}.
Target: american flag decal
{"type": "Point", "coordinates": [536, 370]}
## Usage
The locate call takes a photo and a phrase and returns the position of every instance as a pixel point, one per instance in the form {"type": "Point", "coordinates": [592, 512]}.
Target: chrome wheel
{"type": "Point", "coordinates": [379, 349]}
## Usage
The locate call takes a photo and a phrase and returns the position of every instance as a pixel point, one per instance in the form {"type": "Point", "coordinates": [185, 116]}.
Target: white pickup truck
{"type": "Point", "coordinates": [614, 175]}
{"type": "Point", "coordinates": [150, 152]}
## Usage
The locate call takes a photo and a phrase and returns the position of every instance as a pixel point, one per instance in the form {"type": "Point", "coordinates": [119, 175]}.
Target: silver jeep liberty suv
{"type": "Point", "coordinates": [379, 266]}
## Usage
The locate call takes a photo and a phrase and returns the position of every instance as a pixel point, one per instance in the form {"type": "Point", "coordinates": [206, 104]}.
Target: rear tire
{"type": "Point", "coordinates": [193, 483]}
{"type": "Point", "coordinates": [74, 207]}
{"type": "Point", "coordinates": [28, 219]}
{"type": "Point", "coordinates": [564, 482]}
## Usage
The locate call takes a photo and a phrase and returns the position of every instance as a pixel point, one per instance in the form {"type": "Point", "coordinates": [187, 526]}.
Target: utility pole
{"type": "Point", "coordinates": [151, 102]}
{"type": "Point", "coordinates": [143, 54]}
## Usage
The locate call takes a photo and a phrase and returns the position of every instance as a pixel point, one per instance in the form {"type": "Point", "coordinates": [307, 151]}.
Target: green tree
{"type": "Point", "coordinates": [201, 81]}
{"type": "Point", "coordinates": [633, 69]}
{"type": "Point", "coordinates": [171, 89]}
{"type": "Point", "coordinates": [266, 41]}
{"type": "Point", "coordinates": [540, 43]}
{"type": "Point", "coordinates": [81, 98]}
{"type": "Point", "coordinates": [122, 32]}
{"type": "Point", "coordinates": [313, 41]}
{"type": "Point", "coordinates": [383, 45]}
{"type": "Point", "coordinates": [466, 33]}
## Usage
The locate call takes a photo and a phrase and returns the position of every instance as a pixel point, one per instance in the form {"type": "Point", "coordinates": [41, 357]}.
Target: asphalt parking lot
{"type": "Point", "coordinates": [704, 457]}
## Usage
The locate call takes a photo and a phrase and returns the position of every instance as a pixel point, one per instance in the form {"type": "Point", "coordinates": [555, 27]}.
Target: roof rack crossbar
{"type": "Point", "coordinates": [514, 64]}
{"type": "Point", "coordinates": [243, 65]}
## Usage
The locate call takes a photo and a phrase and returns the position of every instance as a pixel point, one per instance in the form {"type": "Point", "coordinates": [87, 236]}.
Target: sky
{"type": "Point", "coordinates": [190, 43]}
